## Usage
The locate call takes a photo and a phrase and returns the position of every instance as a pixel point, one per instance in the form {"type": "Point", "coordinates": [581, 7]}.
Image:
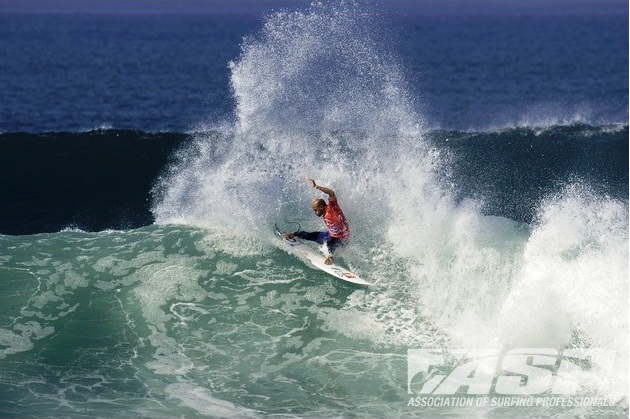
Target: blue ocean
{"type": "Point", "coordinates": [481, 160]}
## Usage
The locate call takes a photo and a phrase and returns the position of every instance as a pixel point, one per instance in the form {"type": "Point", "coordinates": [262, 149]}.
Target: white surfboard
{"type": "Point", "coordinates": [316, 260]}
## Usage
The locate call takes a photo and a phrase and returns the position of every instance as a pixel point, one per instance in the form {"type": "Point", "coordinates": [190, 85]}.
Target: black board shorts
{"type": "Point", "coordinates": [322, 237]}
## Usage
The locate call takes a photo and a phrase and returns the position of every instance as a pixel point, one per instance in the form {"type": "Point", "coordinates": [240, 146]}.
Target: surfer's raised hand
{"type": "Point", "coordinates": [311, 182]}
{"type": "Point", "coordinates": [324, 189]}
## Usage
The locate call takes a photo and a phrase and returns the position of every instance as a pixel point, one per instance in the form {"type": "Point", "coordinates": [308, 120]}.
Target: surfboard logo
{"type": "Point", "coordinates": [343, 274]}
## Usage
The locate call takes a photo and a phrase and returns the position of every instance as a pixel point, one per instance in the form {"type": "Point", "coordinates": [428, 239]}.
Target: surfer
{"type": "Point", "coordinates": [338, 232]}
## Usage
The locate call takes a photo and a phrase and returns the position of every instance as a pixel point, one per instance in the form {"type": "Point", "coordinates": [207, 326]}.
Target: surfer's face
{"type": "Point", "coordinates": [319, 207]}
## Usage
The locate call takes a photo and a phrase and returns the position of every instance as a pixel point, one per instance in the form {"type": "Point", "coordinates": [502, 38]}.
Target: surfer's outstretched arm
{"type": "Point", "coordinates": [324, 189]}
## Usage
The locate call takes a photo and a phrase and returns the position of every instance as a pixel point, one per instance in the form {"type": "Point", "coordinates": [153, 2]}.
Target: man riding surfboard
{"type": "Point", "coordinates": [338, 233]}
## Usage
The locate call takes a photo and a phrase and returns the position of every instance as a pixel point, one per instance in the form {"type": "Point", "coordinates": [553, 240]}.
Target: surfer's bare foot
{"type": "Point", "coordinates": [328, 261]}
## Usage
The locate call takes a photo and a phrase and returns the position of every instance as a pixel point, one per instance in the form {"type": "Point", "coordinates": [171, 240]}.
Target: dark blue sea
{"type": "Point", "coordinates": [481, 159]}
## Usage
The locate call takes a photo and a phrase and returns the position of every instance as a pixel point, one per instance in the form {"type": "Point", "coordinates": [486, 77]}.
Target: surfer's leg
{"type": "Point", "coordinates": [333, 244]}
{"type": "Point", "coordinates": [315, 236]}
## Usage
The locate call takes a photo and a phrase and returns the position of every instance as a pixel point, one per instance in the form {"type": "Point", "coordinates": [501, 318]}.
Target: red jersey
{"type": "Point", "coordinates": [335, 221]}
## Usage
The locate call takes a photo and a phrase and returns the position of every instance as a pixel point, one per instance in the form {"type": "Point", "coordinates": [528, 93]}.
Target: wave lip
{"type": "Point", "coordinates": [57, 180]}
{"type": "Point", "coordinates": [91, 180]}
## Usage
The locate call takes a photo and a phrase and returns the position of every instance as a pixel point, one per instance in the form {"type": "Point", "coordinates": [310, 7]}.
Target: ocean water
{"type": "Point", "coordinates": [482, 162]}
